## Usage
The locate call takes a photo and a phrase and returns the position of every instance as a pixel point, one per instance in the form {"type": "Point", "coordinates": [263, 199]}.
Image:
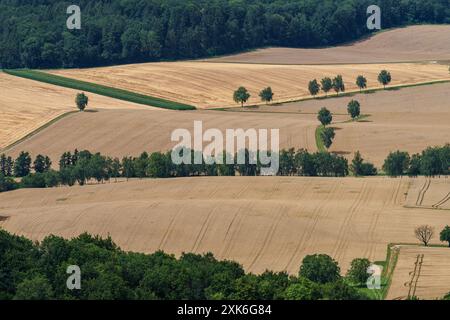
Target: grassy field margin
{"type": "Point", "coordinates": [319, 142]}
{"type": "Point", "coordinates": [98, 89]}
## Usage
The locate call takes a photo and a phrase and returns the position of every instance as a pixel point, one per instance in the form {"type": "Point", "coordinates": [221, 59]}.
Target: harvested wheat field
{"type": "Point", "coordinates": [427, 193]}
{"type": "Point", "coordinates": [209, 85]}
{"type": "Point", "coordinates": [409, 119]}
{"type": "Point", "coordinates": [398, 120]}
{"type": "Point", "coordinates": [414, 43]}
{"type": "Point", "coordinates": [26, 105]}
{"type": "Point", "coordinates": [422, 272]}
{"type": "Point", "coordinates": [261, 222]}
{"type": "Point", "coordinates": [130, 132]}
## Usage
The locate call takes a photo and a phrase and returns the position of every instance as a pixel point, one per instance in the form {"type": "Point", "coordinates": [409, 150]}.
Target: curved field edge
{"type": "Point", "coordinates": [98, 89]}
{"type": "Point", "coordinates": [36, 131]}
{"type": "Point", "coordinates": [349, 93]}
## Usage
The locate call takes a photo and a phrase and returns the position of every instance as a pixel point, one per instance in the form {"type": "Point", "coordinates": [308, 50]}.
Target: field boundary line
{"type": "Point", "coordinates": [37, 130]}
{"type": "Point", "coordinates": [349, 93]}
{"type": "Point", "coordinates": [99, 89]}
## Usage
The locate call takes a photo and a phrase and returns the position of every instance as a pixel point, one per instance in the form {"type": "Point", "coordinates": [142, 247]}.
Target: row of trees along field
{"type": "Point", "coordinates": [33, 34]}
{"type": "Point", "coordinates": [32, 270]}
{"type": "Point", "coordinates": [241, 95]}
{"type": "Point", "coordinates": [81, 167]}
{"type": "Point", "coordinates": [337, 83]}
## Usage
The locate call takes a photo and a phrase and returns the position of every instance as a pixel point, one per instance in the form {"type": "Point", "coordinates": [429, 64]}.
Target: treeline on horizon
{"type": "Point", "coordinates": [33, 34]}
{"type": "Point", "coordinates": [37, 271]}
{"type": "Point", "coordinates": [82, 166]}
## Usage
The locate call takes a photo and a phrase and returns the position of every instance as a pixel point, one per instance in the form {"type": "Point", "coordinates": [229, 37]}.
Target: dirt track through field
{"type": "Point", "coordinates": [414, 43]}
{"type": "Point", "coordinates": [262, 222]}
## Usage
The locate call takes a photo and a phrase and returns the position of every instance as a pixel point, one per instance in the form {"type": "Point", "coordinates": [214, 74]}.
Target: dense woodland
{"type": "Point", "coordinates": [33, 33]}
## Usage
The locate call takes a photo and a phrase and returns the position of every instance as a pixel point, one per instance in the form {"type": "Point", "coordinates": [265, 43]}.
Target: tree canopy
{"type": "Point", "coordinates": [38, 271]}
{"type": "Point", "coordinates": [118, 31]}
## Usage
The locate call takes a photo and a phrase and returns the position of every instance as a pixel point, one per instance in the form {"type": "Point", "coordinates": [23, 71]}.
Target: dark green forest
{"type": "Point", "coordinates": [37, 271]}
{"type": "Point", "coordinates": [33, 33]}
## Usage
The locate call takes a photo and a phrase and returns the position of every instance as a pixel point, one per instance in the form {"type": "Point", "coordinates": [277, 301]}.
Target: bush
{"type": "Point", "coordinates": [7, 183]}
{"type": "Point", "coordinates": [33, 180]}
{"type": "Point", "coordinates": [358, 271]}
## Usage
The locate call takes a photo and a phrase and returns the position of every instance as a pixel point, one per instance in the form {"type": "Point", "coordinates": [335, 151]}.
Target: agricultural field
{"type": "Point", "coordinates": [27, 105]}
{"type": "Point", "coordinates": [421, 272]}
{"type": "Point", "coordinates": [414, 43]}
{"type": "Point", "coordinates": [425, 193]}
{"type": "Point", "coordinates": [211, 85]}
{"type": "Point", "coordinates": [409, 119]}
{"type": "Point", "coordinates": [398, 120]}
{"type": "Point", "coordinates": [129, 132]}
{"type": "Point", "coordinates": [261, 222]}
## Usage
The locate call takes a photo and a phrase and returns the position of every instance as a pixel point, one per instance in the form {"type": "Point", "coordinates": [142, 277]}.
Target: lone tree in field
{"type": "Point", "coordinates": [361, 82]}
{"type": "Point", "coordinates": [314, 87]}
{"type": "Point", "coordinates": [338, 84]}
{"type": "Point", "coordinates": [266, 94]}
{"type": "Point", "coordinates": [424, 234]}
{"type": "Point", "coordinates": [82, 101]}
{"type": "Point", "coordinates": [384, 78]}
{"type": "Point", "coordinates": [324, 116]}
{"type": "Point", "coordinates": [327, 136]}
{"type": "Point", "coordinates": [327, 85]}
{"type": "Point", "coordinates": [353, 109]}
{"type": "Point", "coordinates": [445, 235]}
{"type": "Point", "coordinates": [241, 96]}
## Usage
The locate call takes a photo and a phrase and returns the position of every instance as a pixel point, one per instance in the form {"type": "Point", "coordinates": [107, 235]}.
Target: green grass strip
{"type": "Point", "coordinates": [319, 141]}
{"type": "Point", "coordinates": [98, 89]}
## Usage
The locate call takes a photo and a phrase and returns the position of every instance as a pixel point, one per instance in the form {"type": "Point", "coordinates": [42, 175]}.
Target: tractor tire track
{"type": "Point", "coordinates": [422, 192]}
{"type": "Point", "coordinates": [441, 202]}
{"type": "Point", "coordinates": [311, 226]}
{"type": "Point", "coordinates": [376, 217]}
{"type": "Point", "coordinates": [169, 228]}
{"type": "Point", "coordinates": [344, 232]}
{"type": "Point", "coordinates": [204, 228]}
{"type": "Point", "coordinates": [268, 237]}
{"type": "Point", "coordinates": [233, 229]}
